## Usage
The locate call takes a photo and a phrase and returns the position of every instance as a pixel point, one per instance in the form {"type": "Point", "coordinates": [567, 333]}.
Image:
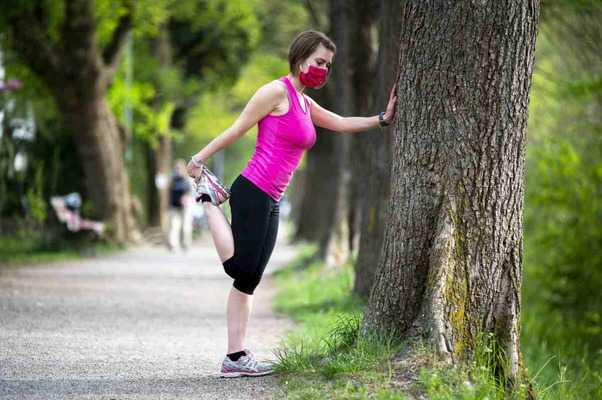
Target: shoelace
{"type": "Point", "coordinates": [249, 362]}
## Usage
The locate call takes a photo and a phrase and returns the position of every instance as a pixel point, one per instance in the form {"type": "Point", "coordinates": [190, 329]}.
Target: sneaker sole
{"type": "Point", "coordinates": [238, 374]}
{"type": "Point", "coordinates": [220, 193]}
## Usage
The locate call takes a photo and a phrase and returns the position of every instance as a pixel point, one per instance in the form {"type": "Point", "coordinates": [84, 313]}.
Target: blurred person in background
{"type": "Point", "coordinates": [180, 209]}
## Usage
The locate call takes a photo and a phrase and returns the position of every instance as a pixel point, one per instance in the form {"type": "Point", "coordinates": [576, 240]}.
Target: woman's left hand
{"type": "Point", "coordinates": [390, 111]}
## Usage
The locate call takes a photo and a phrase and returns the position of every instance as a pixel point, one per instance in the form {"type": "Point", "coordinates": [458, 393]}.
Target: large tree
{"type": "Point", "coordinates": [59, 43]}
{"type": "Point", "coordinates": [451, 262]}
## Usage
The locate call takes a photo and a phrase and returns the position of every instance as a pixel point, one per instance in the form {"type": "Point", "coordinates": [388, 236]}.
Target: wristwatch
{"type": "Point", "coordinates": [381, 119]}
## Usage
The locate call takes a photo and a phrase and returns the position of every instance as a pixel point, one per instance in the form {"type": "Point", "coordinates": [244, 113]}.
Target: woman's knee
{"type": "Point", "coordinates": [246, 286]}
{"type": "Point", "coordinates": [239, 270]}
{"type": "Point", "coordinates": [246, 277]}
{"type": "Point", "coordinates": [232, 268]}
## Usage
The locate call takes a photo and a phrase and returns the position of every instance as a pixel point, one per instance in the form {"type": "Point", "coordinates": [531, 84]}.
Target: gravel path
{"type": "Point", "coordinates": [141, 324]}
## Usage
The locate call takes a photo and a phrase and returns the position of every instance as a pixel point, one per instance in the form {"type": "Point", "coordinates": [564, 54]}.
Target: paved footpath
{"type": "Point", "coordinates": [141, 324]}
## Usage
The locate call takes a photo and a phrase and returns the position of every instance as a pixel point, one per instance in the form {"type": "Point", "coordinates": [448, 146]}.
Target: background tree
{"type": "Point", "coordinates": [451, 262]}
{"type": "Point", "coordinates": [334, 246]}
{"type": "Point", "coordinates": [313, 222]}
{"type": "Point", "coordinates": [363, 56]}
{"type": "Point", "coordinates": [62, 44]}
{"type": "Point", "coordinates": [334, 224]}
{"type": "Point", "coordinates": [376, 148]}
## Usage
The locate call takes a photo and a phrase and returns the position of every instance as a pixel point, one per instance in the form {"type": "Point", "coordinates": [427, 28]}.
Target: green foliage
{"type": "Point", "coordinates": [35, 197]}
{"type": "Point", "coordinates": [562, 301]}
{"type": "Point", "coordinates": [148, 16]}
{"type": "Point", "coordinates": [280, 23]}
{"type": "Point", "coordinates": [150, 120]}
{"type": "Point", "coordinates": [213, 39]}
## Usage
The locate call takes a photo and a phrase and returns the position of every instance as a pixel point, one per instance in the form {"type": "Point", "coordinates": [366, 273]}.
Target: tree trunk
{"type": "Point", "coordinates": [159, 166]}
{"type": "Point", "coordinates": [335, 249]}
{"type": "Point", "coordinates": [451, 263]}
{"type": "Point", "coordinates": [362, 66]}
{"type": "Point", "coordinates": [78, 73]}
{"type": "Point", "coordinates": [377, 145]}
{"type": "Point", "coordinates": [316, 206]}
{"type": "Point", "coordinates": [100, 149]}
{"type": "Point", "coordinates": [159, 154]}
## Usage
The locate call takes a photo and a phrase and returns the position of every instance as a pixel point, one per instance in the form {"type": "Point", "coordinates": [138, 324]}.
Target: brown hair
{"type": "Point", "coordinates": [304, 44]}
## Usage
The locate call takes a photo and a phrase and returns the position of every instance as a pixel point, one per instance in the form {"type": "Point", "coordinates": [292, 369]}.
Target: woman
{"type": "Point", "coordinates": [286, 119]}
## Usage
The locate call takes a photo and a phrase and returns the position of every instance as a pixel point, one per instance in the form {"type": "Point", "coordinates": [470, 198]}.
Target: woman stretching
{"type": "Point", "coordinates": [285, 118]}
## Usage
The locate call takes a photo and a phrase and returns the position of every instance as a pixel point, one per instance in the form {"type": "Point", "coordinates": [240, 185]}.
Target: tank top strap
{"type": "Point", "coordinates": [293, 94]}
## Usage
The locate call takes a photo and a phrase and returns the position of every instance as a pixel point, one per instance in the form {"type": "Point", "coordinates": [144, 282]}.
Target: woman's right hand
{"type": "Point", "coordinates": [192, 170]}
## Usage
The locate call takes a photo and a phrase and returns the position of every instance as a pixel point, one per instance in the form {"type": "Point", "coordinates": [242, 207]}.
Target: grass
{"type": "Point", "coordinates": [562, 363]}
{"type": "Point", "coordinates": [32, 247]}
{"type": "Point", "coordinates": [471, 381]}
{"type": "Point", "coordinates": [326, 356]}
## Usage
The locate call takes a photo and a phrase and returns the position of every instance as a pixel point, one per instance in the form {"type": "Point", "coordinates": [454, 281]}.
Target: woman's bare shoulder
{"type": "Point", "coordinates": [276, 87]}
{"type": "Point", "coordinates": [272, 93]}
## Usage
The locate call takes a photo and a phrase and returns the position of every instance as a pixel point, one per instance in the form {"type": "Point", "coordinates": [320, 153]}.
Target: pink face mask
{"type": "Point", "coordinates": [314, 77]}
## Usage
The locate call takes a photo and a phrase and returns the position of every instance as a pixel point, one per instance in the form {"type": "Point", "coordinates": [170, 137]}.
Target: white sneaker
{"type": "Point", "coordinates": [207, 183]}
{"type": "Point", "coordinates": [246, 365]}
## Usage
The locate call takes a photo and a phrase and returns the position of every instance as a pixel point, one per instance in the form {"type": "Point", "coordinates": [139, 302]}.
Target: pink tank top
{"type": "Point", "coordinates": [281, 141]}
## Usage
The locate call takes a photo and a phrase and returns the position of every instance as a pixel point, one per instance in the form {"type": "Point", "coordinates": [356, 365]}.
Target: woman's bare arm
{"type": "Point", "coordinates": [329, 120]}
{"type": "Point", "coordinates": [263, 102]}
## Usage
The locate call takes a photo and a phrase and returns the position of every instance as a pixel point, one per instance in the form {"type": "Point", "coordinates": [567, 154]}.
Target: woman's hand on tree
{"type": "Point", "coordinates": [390, 110]}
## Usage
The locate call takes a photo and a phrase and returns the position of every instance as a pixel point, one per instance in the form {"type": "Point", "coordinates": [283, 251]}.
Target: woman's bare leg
{"type": "Point", "coordinates": [221, 231]}
{"type": "Point", "coordinates": [239, 304]}
{"type": "Point", "coordinates": [239, 310]}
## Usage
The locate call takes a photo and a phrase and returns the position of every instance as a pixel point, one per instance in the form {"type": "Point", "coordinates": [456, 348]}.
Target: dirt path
{"type": "Point", "coordinates": [140, 324]}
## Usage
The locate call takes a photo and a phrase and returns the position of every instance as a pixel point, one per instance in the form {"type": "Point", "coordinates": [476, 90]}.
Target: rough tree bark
{"type": "Point", "coordinates": [451, 262]}
{"type": "Point", "coordinates": [377, 145]}
{"type": "Point", "coordinates": [78, 73]}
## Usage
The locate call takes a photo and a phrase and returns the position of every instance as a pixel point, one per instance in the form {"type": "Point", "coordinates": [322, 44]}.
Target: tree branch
{"type": "Point", "coordinates": [312, 14]}
{"type": "Point", "coordinates": [112, 52]}
{"type": "Point", "coordinates": [117, 42]}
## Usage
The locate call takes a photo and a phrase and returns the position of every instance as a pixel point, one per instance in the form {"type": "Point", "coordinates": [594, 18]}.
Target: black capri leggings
{"type": "Point", "coordinates": [254, 227]}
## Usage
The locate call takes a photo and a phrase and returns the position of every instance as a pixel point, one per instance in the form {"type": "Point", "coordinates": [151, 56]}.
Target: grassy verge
{"type": "Point", "coordinates": [31, 247]}
{"type": "Point", "coordinates": [326, 356]}
{"type": "Point", "coordinates": [563, 363]}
